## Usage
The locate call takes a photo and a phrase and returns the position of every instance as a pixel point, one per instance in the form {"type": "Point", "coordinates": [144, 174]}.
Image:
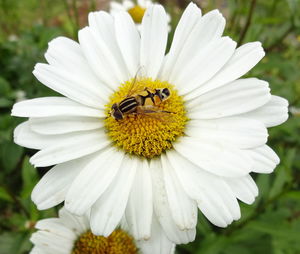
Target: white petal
{"type": "Point", "coordinates": [273, 113]}
{"type": "Point", "coordinates": [158, 243]}
{"type": "Point", "coordinates": [215, 157]}
{"type": "Point", "coordinates": [67, 84]}
{"type": "Point", "coordinates": [238, 131]}
{"type": "Point", "coordinates": [52, 243]}
{"type": "Point", "coordinates": [52, 188]}
{"type": "Point", "coordinates": [204, 64]}
{"type": "Point", "coordinates": [103, 28]}
{"type": "Point", "coordinates": [70, 146]}
{"type": "Point", "coordinates": [55, 226]}
{"type": "Point", "coordinates": [37, 250]}
{"type": "Point", "coordinates": [93, 180]}
{"type": "Point", "coordinates": [244, 59]}
{"type": "Point", "coordinates": [215, 199]}
{"type": "Point", "coordinates": [24, 136]}
{"type": "Point", "coordinates": [108, 210]}
{"type": "Point", "coordinates": [244, 188]}
{"type": "Point", "coordinates": [66, 54]}
{"type": "Point", "coordinates": [128, 4]}
{"type": "Point", "coordinates": [100, 47]}
{"type": "Point", "coordinates": [183, 209]}
{"type": "Point", "coordinates": [54, 106]}
{"type": "Point", "coordinates": [162, 208]}
{"type": "Point", "coordinates": [64, 124]}
{"type": "Point", "coordinates": [141, 3]}
{"type": "Point", "coordinates": [264, 158]}
{"type": "Point", "coordinates": [128, 39]}
{"type": "Point", "coordinates": [189, 18]}
{"type": "Point", "coordinates": [240, 96]}
{"type": "Point", "coordinates": [78, 224]}
{"type": "Point", "coordinates": [115, 6]}
{"type": "Point", "coordinates": [154, 35]}
{"type": "Point", "coordinates": [207, 29]}
{"type": "Point", "coordinates": [139, 207]}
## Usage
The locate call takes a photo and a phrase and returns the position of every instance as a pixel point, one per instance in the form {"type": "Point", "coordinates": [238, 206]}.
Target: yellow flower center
{"type": "Point", "coordinates": [137, 13]}
{"type": "Point", "coordinates": [151, 127]}
{"type": "Point", "coordinates": [119, 242]}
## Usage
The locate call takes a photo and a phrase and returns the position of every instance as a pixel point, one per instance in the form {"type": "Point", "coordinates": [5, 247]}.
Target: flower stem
{"type": "Point", "coordinates": [248, 22]}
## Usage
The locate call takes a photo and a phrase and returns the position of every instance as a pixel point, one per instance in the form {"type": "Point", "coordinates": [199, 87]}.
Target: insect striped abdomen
{"type": "Point", "coordinates": [128, 104]}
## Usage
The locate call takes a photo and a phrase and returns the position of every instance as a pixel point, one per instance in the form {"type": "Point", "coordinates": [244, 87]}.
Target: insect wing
{"type": "Point", "coordinates": [134, 84]}
{"type": "Point", "coordinates": [157, 114]}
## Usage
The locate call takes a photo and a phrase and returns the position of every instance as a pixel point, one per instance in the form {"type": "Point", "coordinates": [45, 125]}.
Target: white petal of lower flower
{"type": "Point", "coordinates": [66, 84]}
{"type": "Point", "coordinates": [154, 36]}
{"type": "Point", "coordinates": [240, 96]}
{"type": "Point", "coordinates": [128, 39]}
{"type": "Point", "coordinates": [238, 131]}
{"type": "Point", "coordinates": [75, 64]}
{"type": "Point", "coordinates": [188, 20]}
{"type": "Point", "coordinates": [108, 210]}
{"type": "Point", "coordinates": [273, 113]}
{"type": "Point", "coordinates": [214, 197]}
{"type": "Point", "coordinates": [244, 59]}
{"type": "Point", "coordinates": [158, 243]}
{"type": "Point", "coordinates": [93, 180]}
{"type": "Point", "coordinates": [264, 158]}
{"type": "Point", "coordinates": [75, 223]}
{"type": "Point", "coordinates": [204, 65]}
{"type": "Point", "coordinates": [51, 243]}
{"type": "Point", "coordinates": [64, 124]}
{"type": "Point", "coordinates": [215, 157]}
{"type": "Point", "coordinates": [162, 208]}
{"type": "Point", "coordinates": [54, 226]}
{"type": "Point", "coordinates": [37, 250]}
{"type": "Point", "coordinates": [244, 188]}
{"type": "Point", "coordinates": [140, 207]}
{"type": "Point", "coordinates": [70, 146]}
{"type": "Point", "coordinates": [54, 106]}
{"type": "Point", "coordinates": [208, 28]}
{"type": "Point", "coordinates": [71, 234]}
{"type": "Point", "coordinates": [183, 209]}
{"type": "Point", "coordinates": [52, 188]}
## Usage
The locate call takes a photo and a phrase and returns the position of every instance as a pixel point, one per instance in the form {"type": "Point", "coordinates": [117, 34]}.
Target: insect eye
{"type": "Point", "coordinates": [165, 92]}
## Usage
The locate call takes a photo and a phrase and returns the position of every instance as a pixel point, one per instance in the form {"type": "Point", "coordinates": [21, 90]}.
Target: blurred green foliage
{"type": "Point", "coordinates": [271, 225]}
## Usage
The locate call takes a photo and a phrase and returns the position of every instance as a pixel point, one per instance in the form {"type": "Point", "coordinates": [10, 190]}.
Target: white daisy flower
{"type": "Point", "coordinates": [192, 147]}
{"type": "Point", "coordinates": [70, 234]}
{"type": "Point", "coordinates": [135, 8]}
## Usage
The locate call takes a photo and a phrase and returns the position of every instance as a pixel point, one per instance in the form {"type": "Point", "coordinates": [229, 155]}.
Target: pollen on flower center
{"type": "Point", "coordinates": [137, 13]}
{"type": "Point", "coordinates": [152, 125]}
{"type": "Point", "coordinates": [119, 242]}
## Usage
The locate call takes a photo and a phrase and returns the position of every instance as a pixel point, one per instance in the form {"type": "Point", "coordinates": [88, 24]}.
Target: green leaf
{"type": "Point", "coordinates": [29, 177]}
{"type": "Point", "coordinates": [279, 182]}
{"type": "Point", "coordinates": [15, 243]}
{"type": "Point", "coordinates": [10, 155]}
{"type": "Point", "coordinates": [5, 103]}
{"type": "Point", "coordinates": [4, 87]}
{"type": "Point", "coordinates": [4, 195]}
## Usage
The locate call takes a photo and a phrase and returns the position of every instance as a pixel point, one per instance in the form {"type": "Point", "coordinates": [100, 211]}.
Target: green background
{"type": "Point", "coordinates": [270, 225]}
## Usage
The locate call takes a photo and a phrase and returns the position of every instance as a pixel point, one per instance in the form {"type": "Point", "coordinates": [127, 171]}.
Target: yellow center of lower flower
{"type": "Point", "coordinates": [119, 242]}
{"type": "Point", "coordinates": [137, 13]}
{"type": "Point", "coordinates": [155, 120]}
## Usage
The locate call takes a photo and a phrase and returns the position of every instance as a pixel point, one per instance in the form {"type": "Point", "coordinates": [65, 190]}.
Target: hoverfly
{"type": "Point", "coordinates": [140, 101]}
